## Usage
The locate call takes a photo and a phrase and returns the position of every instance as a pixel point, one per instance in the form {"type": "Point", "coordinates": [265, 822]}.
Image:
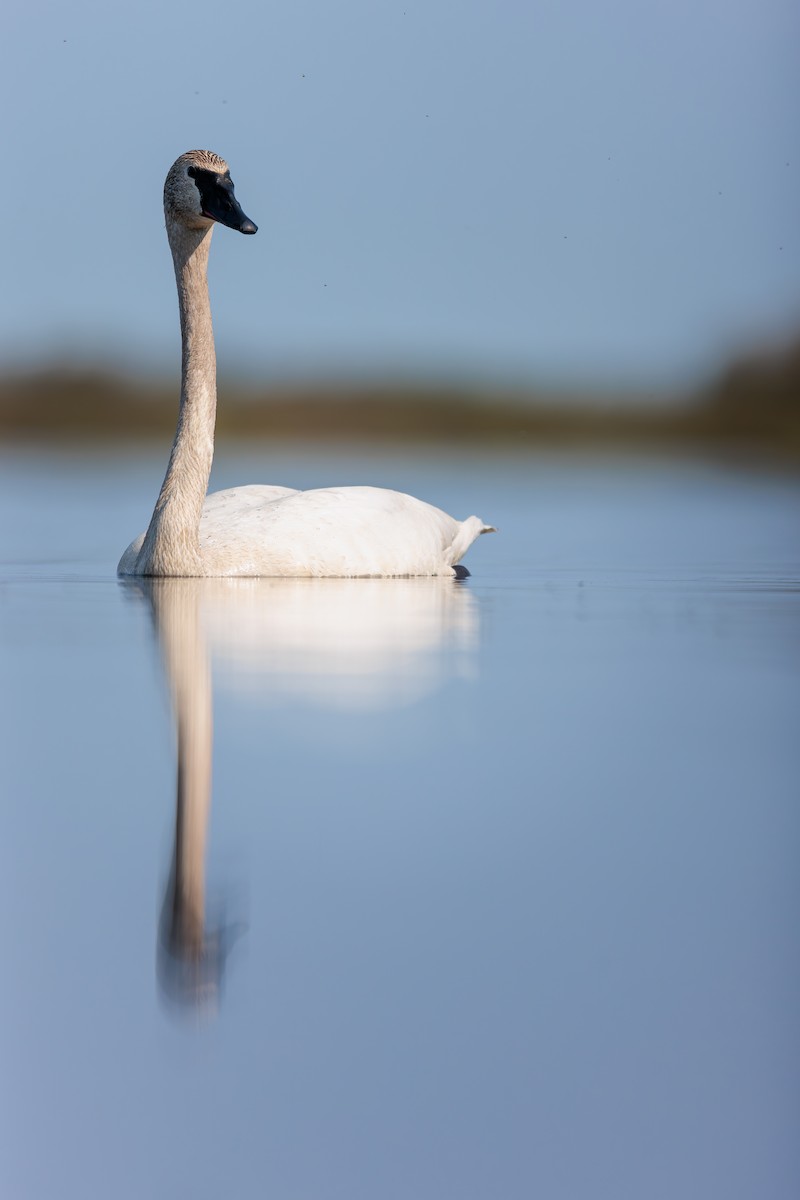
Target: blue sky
{"type": "Point", "coordinates": [596, 192]}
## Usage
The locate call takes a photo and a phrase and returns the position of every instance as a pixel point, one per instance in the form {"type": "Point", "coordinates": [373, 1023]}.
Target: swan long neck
{"type": "Point", "coordinates": [172, 543]}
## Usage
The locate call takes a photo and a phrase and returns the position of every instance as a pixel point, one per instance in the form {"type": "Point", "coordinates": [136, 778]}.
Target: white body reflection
{"type": "Point", "coordinates": [346, 643]}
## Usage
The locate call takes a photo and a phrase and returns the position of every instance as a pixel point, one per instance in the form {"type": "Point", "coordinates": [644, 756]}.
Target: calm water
{"type": "Point", "coordinates": [494, 894]}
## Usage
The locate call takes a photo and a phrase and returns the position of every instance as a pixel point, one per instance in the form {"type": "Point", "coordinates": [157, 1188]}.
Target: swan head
{"type": "Point", "coordinates": [199, 191]}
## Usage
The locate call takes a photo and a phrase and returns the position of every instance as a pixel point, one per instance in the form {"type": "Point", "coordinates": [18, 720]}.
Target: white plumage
{"type": "Point", "coordinates": [262, 530]}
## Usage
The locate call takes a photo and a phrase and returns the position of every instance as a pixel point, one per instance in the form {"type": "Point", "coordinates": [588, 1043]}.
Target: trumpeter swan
{"type": "Point", "coordinates": [263, 530]}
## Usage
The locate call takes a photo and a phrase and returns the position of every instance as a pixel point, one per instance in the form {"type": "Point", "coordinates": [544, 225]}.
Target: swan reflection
{"type": "Point", "coordinates": [350, 644]}
{"type": "Point", "coordinates": [191, 956]}
{"type": "Point", "coordinates": [344, 643]}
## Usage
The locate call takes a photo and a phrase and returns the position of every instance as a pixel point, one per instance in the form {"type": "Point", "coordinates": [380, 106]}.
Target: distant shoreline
{"type": "Point", "coordinates": [753, 408]}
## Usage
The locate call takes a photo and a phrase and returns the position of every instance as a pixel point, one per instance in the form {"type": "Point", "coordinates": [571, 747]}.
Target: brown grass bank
{"type": "Point", "coordinates": [752, 408]}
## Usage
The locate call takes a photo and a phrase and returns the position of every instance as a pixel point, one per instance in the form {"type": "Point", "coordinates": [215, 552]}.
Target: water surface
{"type": "Point", "coordinates": [481, 889]}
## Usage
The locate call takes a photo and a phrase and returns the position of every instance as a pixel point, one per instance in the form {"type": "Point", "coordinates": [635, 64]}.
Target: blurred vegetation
{"type": "Point", "coordinates": [752, 408]}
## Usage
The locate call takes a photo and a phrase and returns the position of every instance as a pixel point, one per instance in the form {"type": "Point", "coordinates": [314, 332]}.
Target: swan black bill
{"type": "Point", "coordinates": [218, 202]}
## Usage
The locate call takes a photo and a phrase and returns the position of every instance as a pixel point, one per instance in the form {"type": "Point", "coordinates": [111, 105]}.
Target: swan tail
{"type": "Point", "coordinates": [468, 531]}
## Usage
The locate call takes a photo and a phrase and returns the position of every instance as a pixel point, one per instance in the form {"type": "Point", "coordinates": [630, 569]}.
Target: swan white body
{"type": "Point", "coordinates": [263, 530]}
{"type": "Point", "coordinates": [344, 531]}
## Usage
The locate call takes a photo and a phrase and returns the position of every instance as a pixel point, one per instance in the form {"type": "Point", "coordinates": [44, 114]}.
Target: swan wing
{"type": "Point", "coordinates": [340, 531]}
